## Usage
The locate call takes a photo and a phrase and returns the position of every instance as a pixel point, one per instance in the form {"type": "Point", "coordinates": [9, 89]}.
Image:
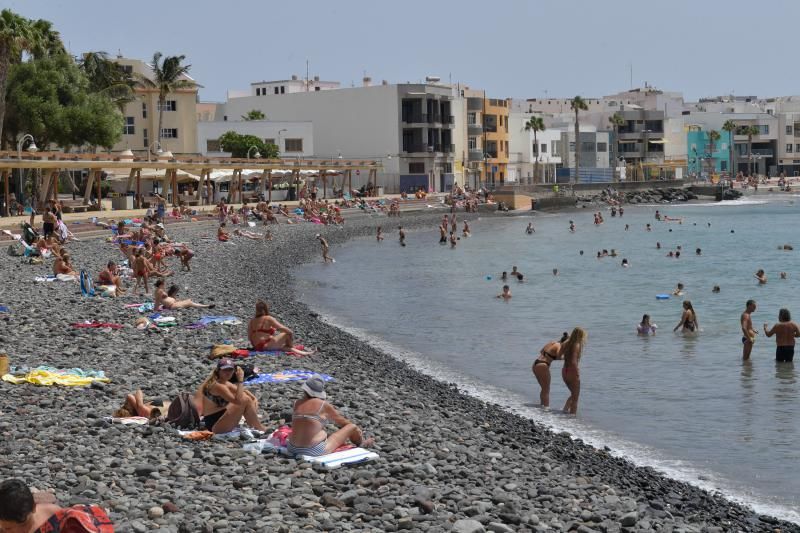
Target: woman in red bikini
{"type": "Point", "coordinates": [571, 351]}
{"type": "Point", "coordinates": [265, 333]}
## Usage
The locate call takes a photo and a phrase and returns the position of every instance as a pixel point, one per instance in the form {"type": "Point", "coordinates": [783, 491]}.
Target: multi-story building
{"type": "Point", "coordinates": [140, 129]}
{"type": "Point", "coordinates": [705, 155]}
{"type": "Point", "coordinates": [641, 138]}
{"type": "Point", "coordinates": [408, 127]}
{"type": "Point", "coordinates": [487, 137]}
{"type": "Point", "coordinates": [525, 152]}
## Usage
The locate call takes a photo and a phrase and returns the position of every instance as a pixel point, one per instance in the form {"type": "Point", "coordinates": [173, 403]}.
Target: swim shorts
{"type": "Point", "coordinates": [784, 354]}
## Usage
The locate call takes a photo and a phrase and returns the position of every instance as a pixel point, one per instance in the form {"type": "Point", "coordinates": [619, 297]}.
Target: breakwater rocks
{"type": "Point", "coordinates": [650, 196]}
{"type": "Point", "coordinates": [449, 462]}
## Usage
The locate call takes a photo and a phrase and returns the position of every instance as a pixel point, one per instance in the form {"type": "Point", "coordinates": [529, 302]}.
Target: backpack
{"type": "Point", "coordinates": [183, 413]}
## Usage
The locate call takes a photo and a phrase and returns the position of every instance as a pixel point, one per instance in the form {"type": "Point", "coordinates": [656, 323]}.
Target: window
{"type": "Point", "coordinates": [472, 143]}
{"type": "Point", "coordinates": [448, 168]}
{"type": "Point", "coordinates": [146, 140]}
{"type": "Point", "coordinates": [602, 147]}
{"type": "Point", "coordinates": [797, 148]}
{"type": "Point", "coordinates": [544, 148]}
{"type": "Point", "coordinates": [276, 90]}
{"type": "Point", "coordinates": [723, 166]}
{"type": "Point", "coordinates": [572, 146]}
{"type": "Point", "coordinates": [788, 130]}
{"type": "Point", "coordinates": [269, 141]}
{"type": "Point", "coordinates": [258, 91]}
{"type": "Point", "coordinates": [472, 118]}
{"type": "Point", "coordinates": [169, 133]}
{"type": "Point", "coordinates": [416, 168]}
{"type": "Point", "coordinates": [317, 88]}
{"type": "Point", "coordinates": [225, 118]}
{"type": "Point", "coordinates": [763, 129]}
{"type": "Point", "coordinates": [127, 128]}
{"type": "Point", "coordinates": [554, 148]}
{"type": "Point", "coordinates": [127, 69]}
{"type": "Point", "coordinates": [212, 145]}
{"type": "Point", "coordinates": [168, 105]}
{"type": "Point", "coordinates": [144, 109]}
{"type": "Point", "coordinates": [293, 145]}
{"type": "Point", "coordinates": [587, 146]}
{"type": "Point", "coordinates": [789, 148]}
{"type": "Point", "coordinates": [283, 89]}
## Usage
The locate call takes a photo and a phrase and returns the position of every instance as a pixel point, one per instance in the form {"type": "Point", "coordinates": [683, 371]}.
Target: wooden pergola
{"type": "Point", "coordinates": [51, 164]}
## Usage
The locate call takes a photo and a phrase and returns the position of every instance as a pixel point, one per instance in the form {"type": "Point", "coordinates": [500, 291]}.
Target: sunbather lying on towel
{"type": "Point", "coordinates": [265, 333]}
{"type": "Point", "coordinates": [23, 512]}
{"type": "Point", "coordinates": [248, 234]}
{"type": "Point", "coordinates": [222, 400]}
{"type": "Point", "coordinates": [135, 405]}
{"type": "Point", "coordinates": [166, 299]}
{"type": "Point", "coordinates": [311, 414]}
{"type": "Point", "coordinates": [62, 265]}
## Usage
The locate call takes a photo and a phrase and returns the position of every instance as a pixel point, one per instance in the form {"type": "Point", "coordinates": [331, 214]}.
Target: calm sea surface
{"type": "Point", "coordinates": [685, 405]}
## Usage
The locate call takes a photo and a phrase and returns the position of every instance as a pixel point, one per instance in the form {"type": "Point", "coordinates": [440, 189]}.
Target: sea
{"type": "Point", "coordinates": [686, 405]}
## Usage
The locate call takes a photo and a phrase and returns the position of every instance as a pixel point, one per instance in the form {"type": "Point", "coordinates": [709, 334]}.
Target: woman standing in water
{"type": "Point", "coordinates": [541, 367]}
{"type": "Point", "coordinates": [688, 321]}
{"type": "Point", "coordinates": [571, 351]}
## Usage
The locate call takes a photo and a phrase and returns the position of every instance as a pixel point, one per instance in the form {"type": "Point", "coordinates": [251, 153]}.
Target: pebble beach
{"type": "Point", "coordinates": [448, 461]}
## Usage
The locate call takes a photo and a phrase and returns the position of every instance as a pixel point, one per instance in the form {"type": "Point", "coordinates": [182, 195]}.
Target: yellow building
{"type": "Point", "coordinates": [140, 120]}
{"type": "Point", "coordinates": [487, 138]}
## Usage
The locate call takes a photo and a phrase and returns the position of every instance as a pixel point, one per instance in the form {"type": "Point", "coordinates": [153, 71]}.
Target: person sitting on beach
{"type": "Point", "coordinates": [222, 235]}
{"type": "Point", "coordinates": [688, 322]}
{"type": "Point", "coordinates": [571, 350]}
{"type": "Point", "coordinates": [310, 415]}
{"type": "Point", "coordinates": [169, 301]}
{"type": "Point", "coordinates": [761, 276]}
{"type": "Point", "coordinates": [222, 400]}
{"type": "Point", "coordinates": [506, 294]}
{"type": "Point", "coordinates": [22, 511]}
{"type": "Point", "coordinates": [645, 327]}
{"type": "Point", "coordinates": [786, 332]}
{"type": "Point", "coordinates": [134, 405]}
{"type": "Point", "coordinates": [110, 276]}
{"type": "Point", "coordinates": [541, 369]}
{"type": "Point", "coordinates": [265, 333]}
{"type": "Point", "coordinates": [62, 265]}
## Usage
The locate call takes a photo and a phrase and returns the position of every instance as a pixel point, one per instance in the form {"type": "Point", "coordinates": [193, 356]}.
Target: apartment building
{"type": "Point", "coordinates": [408, 127]}
{"type": "Point", "coordinates": [707, 156]}
{"type": "Point", "coordinates": [487, 137]}
{"type": "Point", "coordinates": [641, 137]}
{"type": "Point", "coordinates": [140, 129]}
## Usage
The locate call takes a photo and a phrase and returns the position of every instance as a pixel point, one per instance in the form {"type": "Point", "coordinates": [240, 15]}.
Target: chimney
{"type": "Point", "coordinates": [316, 78]}
{"type": "Point", "coordinates": [384, 82]}
{"type": "Point", "coordinates": [367, 81]}
{"type": "Point", "coordinates": [294, 77]}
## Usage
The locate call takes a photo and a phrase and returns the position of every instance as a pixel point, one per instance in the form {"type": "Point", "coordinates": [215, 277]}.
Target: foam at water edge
{"type": "Point", "coordinates": [638, 454]}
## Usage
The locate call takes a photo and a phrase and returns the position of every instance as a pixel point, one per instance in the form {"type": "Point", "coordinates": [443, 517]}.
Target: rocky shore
{"type": "Point", "coordinates": [651, 196]}
{"type": "Point", "coordinates": [449, 462]}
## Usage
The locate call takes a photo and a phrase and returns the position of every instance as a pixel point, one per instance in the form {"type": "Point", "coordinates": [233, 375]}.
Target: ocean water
{"type": "Point", "coordinates": [686, 405]}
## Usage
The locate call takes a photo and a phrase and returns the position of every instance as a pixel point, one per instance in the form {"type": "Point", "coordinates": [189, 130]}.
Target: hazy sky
{"type": "Point", "coordinates": [510, 48]}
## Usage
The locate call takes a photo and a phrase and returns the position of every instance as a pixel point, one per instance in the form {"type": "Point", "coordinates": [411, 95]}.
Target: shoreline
{"type": "Point", "coordinates": [445, 456]}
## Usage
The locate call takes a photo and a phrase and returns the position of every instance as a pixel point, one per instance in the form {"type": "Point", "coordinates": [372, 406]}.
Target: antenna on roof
{"type": "Point", "coordinates": [307, 79]}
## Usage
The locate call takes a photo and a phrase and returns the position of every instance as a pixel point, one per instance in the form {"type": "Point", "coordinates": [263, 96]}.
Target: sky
{"type": "Point", "coordinates": [510, 48]}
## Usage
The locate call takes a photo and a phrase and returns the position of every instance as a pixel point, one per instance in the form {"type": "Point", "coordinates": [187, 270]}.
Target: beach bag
{"type": "Point", "coordinates": [221, 350]}
{"type": "Point", "coordinates": [16, 249]}
{"type": "Point", "coordinates": [183, 413]}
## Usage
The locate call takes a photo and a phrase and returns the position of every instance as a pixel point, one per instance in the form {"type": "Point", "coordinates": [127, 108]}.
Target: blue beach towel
{"type": "Point", "coordinates": [208, 320]}
{"type": "Point", "coordinates": [284, 376]}
{"type": "Point", "coordinates": [4, 309]}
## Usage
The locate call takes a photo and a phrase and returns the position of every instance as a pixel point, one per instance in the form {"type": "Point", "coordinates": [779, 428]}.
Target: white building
{"type": "Point", "coordinates": [524, 152]}
{"type": "Point", "coordinates": [293, 139]}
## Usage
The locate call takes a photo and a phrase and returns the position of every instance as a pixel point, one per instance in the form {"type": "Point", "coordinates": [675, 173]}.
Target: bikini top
{"type": "Point", "coordinates": [213, 398]}
{"type": "Point", "coordinates": [315, 417]}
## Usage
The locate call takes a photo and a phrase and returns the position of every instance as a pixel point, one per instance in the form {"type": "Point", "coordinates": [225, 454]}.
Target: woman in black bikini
{"type": "Point", "coordinates": [688, 321]}
{"type": "Point", "coordinates": [222, 403]}
{"type": "Point", "coordinates": [541, 368]}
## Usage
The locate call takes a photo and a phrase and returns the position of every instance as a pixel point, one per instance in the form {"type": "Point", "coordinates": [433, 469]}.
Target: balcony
{"type": "Point", "coordinates": [475, 155]}
{"type": "Point", "coordinates": [474, 129]}
{"type": "Point", "coordinates": [474, 104]}
{"type": "Point", "coordinates": [757, 152]}
{"type": "Point", "coordinates": [415, 118]}
{"type": "Point", "coordinates": [448, 119]}
{"type": "Point", "coordinates": [490, 128]}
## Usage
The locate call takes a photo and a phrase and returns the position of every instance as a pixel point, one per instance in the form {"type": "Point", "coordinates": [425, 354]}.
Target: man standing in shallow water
{"type": "Point", "coordinates": [786, 332]}
{"type": "Point", "coordinates": [748, 333]}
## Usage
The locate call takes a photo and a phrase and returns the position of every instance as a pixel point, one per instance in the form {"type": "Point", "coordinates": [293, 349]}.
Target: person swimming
{"type": "Point", "coordinates": [506, 294]}
{"type": "Point", "coordinates": [625, 263]}
{"type": "Point", "coordinates": [530, 229]}
{"type": "Point", "coordinates": [761, 276]}
{"type": "Point", "coordinates": [645, 327]}
{"type": "Point", "coordinates": [678, 290]}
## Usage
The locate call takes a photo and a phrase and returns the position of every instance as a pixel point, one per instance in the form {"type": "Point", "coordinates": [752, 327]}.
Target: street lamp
{"type": "Point", "coordinates": [31, 147]}
{"type": "Point", "coordinates": [257, 155]}
{"type": "Point", "coordinates": [150, 149]}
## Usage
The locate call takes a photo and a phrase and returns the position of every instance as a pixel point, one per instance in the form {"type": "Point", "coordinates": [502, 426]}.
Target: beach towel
{"type": "Point", "coordinates": [4, 309]}
{"type": "Point", "coordinates": [338, 459]}
{"type": "Point", "coordinates": [96, 324]}
{"type": "Point", "coordinates": [129, 420]}
{"type": "Point", "coordinates": [145, 307]}
{"type": "Point", "coordinates": [208, 320]}
{"type": "Point", "coordinates": [284, 376]}
{"type": "Point", "coordinates": [249, 352]}
{"type": "Point", "coordinates": [78, 519]}
{"type": "Point", "coordinates": [59, 277]}
{"type": "Point", "coordinates": [48, 376]}
{"type": "Point", "coordinates": [196, 435]}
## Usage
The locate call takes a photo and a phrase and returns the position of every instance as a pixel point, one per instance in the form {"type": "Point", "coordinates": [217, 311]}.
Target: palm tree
{"type": "Point", "coordinates": [713, 137]}
{"type": "Point", "coordinates": [750, 131]}
{"type": "Point", "coordinates": [616, 122]}
{"type": "Point", "coordinates": [168, 76]}
{"type": "Point", "coordinates": [730, 126]}
{"type": "Point", "coordinates": [535, 124]}
{"type": "Point", "coordinates": [106, 76]}
{"type": "Point", "coordinates": [19, 35]}
{"type": "Point", "coordinates": [577, 104]}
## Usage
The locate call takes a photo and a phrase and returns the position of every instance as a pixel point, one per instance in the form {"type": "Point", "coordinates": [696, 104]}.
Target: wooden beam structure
{"type": "Point", "coordinates": [7, 194]}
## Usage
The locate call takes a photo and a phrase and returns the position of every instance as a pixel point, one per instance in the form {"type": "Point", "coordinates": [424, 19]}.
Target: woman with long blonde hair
{"type": "Point", "coordinates": [571, 351]}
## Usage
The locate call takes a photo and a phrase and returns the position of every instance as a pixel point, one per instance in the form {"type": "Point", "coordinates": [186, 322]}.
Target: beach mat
{"type": "Point", "coordinates": [285, 376]}
{"type": "Point", "coordinates": [335, 460]}
{"type": "Point", "coordinates": [247, 352]}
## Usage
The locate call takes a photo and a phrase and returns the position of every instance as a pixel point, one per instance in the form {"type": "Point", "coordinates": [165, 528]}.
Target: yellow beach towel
{"type": "Point", "coordinates": [47, 378]}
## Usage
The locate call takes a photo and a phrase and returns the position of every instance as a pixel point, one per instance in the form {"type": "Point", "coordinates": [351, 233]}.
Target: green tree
{"type": "Point", "coordinates": [731, 127]}
{"type": "Point", "coordinates": [535, 124]}
{"type": "Point", "coordinates": [169, 75]}
{"type": "Point", "coordinates": [578, 104]}
{"type": "Point", "coordinates": [713, 137]}
{"type": "Point", "coordinates": [617, 121]}
{"type": "Point", "coordinates": [50, 99]}
{"type": "Point", "coordinates": [17, 36]}
{"type": "Point", "coordinates": [107, 77]}
{"type": "Point", "coordinates": [254, 114]}
{"type": "Point", "coordinates": [238, 145]}
{"type": "Point", "coordinates": [750, 131]}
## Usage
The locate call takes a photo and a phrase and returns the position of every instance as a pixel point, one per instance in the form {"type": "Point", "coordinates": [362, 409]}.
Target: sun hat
{"type": "Point", "coordinates": [225, 363]}
{"type": "Point", "coordinates": [315, 387]}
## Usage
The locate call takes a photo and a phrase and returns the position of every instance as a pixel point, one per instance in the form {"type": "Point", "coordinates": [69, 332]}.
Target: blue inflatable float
{"type": "Point", "coordinates": [662, 296]}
